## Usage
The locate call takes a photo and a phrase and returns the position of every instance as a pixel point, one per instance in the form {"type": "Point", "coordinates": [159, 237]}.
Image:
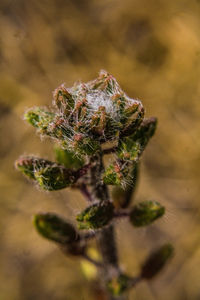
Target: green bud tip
{"type": "Point", "coordinates": [95, 216]}
{"type": "Point", "coordinates": [115, 174]}
{"type": "Point", "coordinates": [118, 285]}
{"type": "Point", "coordinates": [63, 99]}
{"type": "Point", "coordinates": [54, 228]}
{"type": "Point", "coordinates": [156, 261]}
{"type": "Point", "coordinates": [40, 118]}
{"type": "Point", "coordinates": [26, 166]}
{"type": "Point", "coordinates": [145, 213]}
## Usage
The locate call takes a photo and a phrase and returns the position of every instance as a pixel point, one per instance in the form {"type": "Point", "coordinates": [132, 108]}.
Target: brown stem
{"type": "Point", "coordinates": [84, 190]}
{"type": "Point", "coordinates": [121, 214]}
{"type": "Point", "coordinates": [105, 237]}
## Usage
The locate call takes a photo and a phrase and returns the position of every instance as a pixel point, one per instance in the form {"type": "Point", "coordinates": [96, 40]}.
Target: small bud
{"type": "Point", "coordinates": [98, 122]}
{"type": "Point", "coordinates": [115, 175]}
{"type": "Point", "coordinates": [156, 261]}
{"type": "Point", "coordinates": [128, 149]}
{"type": "Point", "coordinates": [54, 228]}
{"type": "Point", "coordinates": [132, 117]}
{"type": "Point", "coordinates": [63, 100]}
{"type": "Point", "coordinates": [146, 213]}
{"type": "Point", "coordinates": [122, 196]}
{"type": "Point", "coordinates": [95, 216]}
{"type": "Point", "coordinates": [118, 285]}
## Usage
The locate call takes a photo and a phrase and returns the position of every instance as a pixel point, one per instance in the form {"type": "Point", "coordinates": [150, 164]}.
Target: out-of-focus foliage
{"type": "Point", "coordinates": [153, 50]}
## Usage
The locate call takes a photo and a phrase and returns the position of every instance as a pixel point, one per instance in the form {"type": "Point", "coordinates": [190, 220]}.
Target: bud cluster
{"type": "Point", "coordinates": [87, 115]}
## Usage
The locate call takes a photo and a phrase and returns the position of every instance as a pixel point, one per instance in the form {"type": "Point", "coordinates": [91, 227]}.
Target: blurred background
{"type": "Point", "coordinates": [152, 47]}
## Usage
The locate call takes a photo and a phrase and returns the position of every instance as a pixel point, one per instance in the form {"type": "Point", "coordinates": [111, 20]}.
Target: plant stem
{"type": "Point", "coordinates": [84, 190]}
{"type": "Point", "coordinates": [105, 237]}
{"type": "Point", "coordinates": [91, 260]}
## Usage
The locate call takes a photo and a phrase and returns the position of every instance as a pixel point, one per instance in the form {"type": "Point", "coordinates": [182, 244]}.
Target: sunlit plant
{"type": "Point", "coordinates": [89, 122]}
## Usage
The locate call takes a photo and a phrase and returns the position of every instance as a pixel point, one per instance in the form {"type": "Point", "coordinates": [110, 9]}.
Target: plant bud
{"type": "Point", "coordinates": [122, 196]}
{"type": "Point", "coordinates": [63, 100]}
{"type": "Point", "coordinates": [118, 285]}
{"type": "Point", "coordinates": [128, 149]}
{"type": "Point", "coordinates": [115, 175]}
{"type": "Point", "coordinates": [87, 115]}
{"type": "Point", "coordinates": [98, 122]}
{"type": "Point", "coordinates": [156, 261]}
{"type": "Point", "coordinates": [146, 213]}
{"type": "Point", "coordinates": [132, 117]}
{"type": "Point", "coordinates": [54, 228]}
{"type": "Point", "coordinates": [95, 216]}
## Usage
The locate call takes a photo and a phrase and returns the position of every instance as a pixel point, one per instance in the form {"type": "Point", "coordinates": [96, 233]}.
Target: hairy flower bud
{"type": "Point", "coordinates": [128, 149]}
{"type": "Point", "coordinates": [87, 115]}
{"type": "Point", "coordinates": [156, 261]}
{"type": "Point", "coordinates": [95, 216]}
{"type": "Point", "coordinates": [146, 213]}
{"type": "Point", "coordinates": [54, 228]}
{"type": "Point", "coordinates": [118, 285]}
{"type": "Point", "coordinates": [123, 196]}
{"type": "Point", "coordinates": [115, 174]}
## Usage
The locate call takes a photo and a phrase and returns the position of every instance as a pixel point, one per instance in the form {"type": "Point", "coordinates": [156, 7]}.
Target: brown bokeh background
{"type": "Point", "coordinates": [153, 49]}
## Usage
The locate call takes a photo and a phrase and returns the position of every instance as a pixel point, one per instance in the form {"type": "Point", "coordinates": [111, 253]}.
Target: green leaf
{"type": "Point", "coordinates": [40, 118]}
{"type": "Point", "coordinates": [95, 216]}
{"type": "Point", "coordinates": [68, 158]}
{"type": "Point", "coordinates": [54, 228]}
{"type": "Point", "coordinates": [145, 131]}
{"type": "Point", "coordinates": [118, 285]}
{"type": "Point", "coordinates": [156, 261]}
{"type": "Point", "coordinates": [130, 148]}
{"type": "Point", "coordinates": [49, 175]}
{"type": "Point", "coordinates": [146, 213]}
